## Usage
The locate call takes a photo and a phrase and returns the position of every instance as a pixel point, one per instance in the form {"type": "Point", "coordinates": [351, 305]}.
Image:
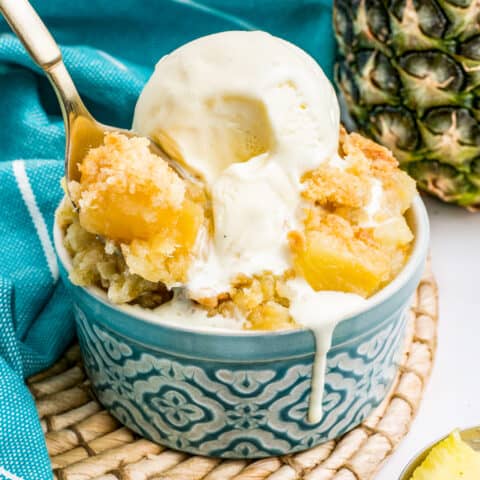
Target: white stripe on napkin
{"type": "Point", "coordinates": [9, 475]}
{"type": "Point", "coordinates": [112, 60]}
{"type": "Point", "coordinates": [37, 218]}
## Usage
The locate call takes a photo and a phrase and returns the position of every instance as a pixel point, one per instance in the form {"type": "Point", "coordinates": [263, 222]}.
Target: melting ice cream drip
{"type": "Point", "coordinates": [320, 312]}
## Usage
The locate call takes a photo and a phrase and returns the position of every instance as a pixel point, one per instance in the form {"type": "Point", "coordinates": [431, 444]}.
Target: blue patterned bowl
{"type": "Point", "coordinates": [241, 394]}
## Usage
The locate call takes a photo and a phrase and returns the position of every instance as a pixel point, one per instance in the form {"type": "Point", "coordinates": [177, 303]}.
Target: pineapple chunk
{"type": "Point", "coordinates": [393, 232]}
{"type": "Point", "coordinates": [131, 196]}
{"type": "Point", "coordinates": [400, 190]}
{"type": "Point", "coordinates": [125, 191]}
{"type": "Point", "coordinates": [331, 257]}
{"type": "Point", "coordinates": [329, 264]}
{"type": "Point", "coordinates": [166, 256]}
{"type": "Point", "coordinates": [451, 459]}
{"type": "Point", "coordinates": [270, 316]}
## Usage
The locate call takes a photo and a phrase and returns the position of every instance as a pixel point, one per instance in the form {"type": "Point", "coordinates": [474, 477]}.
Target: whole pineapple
{"type": "Point", "coordinates": [409, 71]}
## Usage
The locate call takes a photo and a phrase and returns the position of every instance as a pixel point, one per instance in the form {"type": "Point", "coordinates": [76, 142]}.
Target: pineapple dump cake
{"type": "Point", "coordinates": [291, 221]}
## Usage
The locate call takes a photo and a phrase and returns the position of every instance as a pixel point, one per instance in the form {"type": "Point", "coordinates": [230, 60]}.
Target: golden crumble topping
{"type": "Point", "coordinates": [259, 299]}
{"type": "Point", "coordinates": [131, 196]}
{"type": "Point", "coordinates": [329, 187]}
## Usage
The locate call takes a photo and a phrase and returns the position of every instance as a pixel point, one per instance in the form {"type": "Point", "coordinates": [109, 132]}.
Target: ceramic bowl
{"type": "Point", "coordinates": [241, 394]}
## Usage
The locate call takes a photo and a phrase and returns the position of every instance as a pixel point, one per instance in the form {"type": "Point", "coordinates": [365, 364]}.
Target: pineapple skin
{"type": "Point", "coordinates": [409, 72]}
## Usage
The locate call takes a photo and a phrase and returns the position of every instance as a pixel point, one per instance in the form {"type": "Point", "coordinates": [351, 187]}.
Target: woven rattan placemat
{"type": "Point", "coordinates": [86, 443]}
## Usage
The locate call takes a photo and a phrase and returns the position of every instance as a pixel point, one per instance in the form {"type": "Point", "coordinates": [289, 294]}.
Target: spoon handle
{"type": "Point", "coordinates": [32, 32]}
{"type": "Point", "coordinates": [44, 51]}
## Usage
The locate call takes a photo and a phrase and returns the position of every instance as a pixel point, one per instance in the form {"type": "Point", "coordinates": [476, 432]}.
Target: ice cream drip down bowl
{"type": "Point", "coordinates": [241, 394]}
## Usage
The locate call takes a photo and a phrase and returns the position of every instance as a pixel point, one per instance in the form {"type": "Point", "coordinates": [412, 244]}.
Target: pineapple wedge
{"type": "Point", "coordinates": [451, 459]}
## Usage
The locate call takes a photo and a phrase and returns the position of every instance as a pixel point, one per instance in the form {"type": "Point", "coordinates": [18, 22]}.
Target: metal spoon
{"type": "Point", "coordinates": [469, 435]}
{"type": "Point", "coordinates": [83, 132]}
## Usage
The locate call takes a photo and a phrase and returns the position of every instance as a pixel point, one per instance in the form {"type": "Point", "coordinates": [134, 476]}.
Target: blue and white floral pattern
{"type": "Point", "coordinates": [232, 409]}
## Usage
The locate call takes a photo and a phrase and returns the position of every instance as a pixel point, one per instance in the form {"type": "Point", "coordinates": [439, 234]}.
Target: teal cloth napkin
{"type": "Point", "coordinates": [110, 49]}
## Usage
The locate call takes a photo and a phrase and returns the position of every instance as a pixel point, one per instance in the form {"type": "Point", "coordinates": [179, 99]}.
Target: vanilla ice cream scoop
{"type": "Point", "coordinates": [229, 97]}
{"type": "Point", "coordinates": [250, 113]}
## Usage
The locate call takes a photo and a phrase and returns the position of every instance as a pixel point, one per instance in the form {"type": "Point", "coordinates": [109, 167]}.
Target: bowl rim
{"type": "Point", "coordinates": [418, 218]}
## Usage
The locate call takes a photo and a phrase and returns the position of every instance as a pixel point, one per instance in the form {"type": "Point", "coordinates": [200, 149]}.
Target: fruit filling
{"type": "Point", "coordinates": [146, 240]}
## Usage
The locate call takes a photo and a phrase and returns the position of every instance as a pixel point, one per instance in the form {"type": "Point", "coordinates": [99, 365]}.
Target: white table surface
{"type": "Point", "coordinates": [452, 396]}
